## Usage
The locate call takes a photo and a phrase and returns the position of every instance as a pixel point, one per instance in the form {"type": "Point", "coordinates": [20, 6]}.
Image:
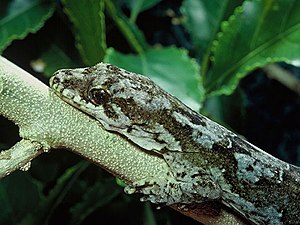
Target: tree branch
{"type": "Point", "coordinates": [18, 157]}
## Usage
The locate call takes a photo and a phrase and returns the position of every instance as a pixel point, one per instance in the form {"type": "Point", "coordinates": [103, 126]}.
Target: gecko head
{"type": "Point", "coordinates": [81, 87]}
{"type": "Point", "coordinates": [115, 97]}
{"type": "Point", "coordinates": [124, 102]}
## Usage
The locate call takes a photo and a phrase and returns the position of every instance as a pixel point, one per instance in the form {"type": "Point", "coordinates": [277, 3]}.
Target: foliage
{"type": "Point", "coordinates": [263, 32]}
{"type": "Point", "coordinates": [88, 24]}
{"type": "Point", "coordinates": [18, 18]}
{"type": "Point", "coordinates": [194, 49]}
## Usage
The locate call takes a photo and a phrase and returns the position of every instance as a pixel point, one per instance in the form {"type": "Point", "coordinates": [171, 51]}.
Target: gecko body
{"type": "Point", "coordinates": [207, 162]}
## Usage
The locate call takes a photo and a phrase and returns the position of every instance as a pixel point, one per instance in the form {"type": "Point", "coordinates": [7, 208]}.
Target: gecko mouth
{"type": "Point", "coordinates": [69, 95]}
{"type": "Point", "coordinates": [53, 81]}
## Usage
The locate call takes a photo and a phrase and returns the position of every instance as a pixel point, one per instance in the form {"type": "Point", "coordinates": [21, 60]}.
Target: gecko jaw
{"type": "Point", "coordinates": [70, 97]}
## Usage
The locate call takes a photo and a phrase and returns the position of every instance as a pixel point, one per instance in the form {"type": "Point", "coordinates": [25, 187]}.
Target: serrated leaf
{"type": "Point", "coordinates": [89, 23]}
{"type": "Point", "coordinates": [171, 68]}
{"type": "Point", "coordinates": [259, 33]}
{"type": "Point", "coordinates": [203, 19]}
{"type": "Point", "coordinates": [20, 17]}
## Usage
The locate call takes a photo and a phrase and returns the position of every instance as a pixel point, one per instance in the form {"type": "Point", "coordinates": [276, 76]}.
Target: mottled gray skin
{"type": "Point", "coordinates": [207, 161]}
{"type": "Point", "coordinates": [137, 108]}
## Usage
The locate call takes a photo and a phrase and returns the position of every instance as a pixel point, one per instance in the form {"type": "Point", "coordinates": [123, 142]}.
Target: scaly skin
{"type": "Point", "coordinates": [208, 162]}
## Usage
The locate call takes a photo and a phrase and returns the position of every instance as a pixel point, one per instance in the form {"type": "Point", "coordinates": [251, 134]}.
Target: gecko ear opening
{"type": "Point", "coordinates": [99, 96]}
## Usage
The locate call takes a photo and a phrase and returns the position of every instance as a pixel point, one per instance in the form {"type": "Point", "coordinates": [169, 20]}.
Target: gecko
{"type": "Point", "coordinates": [197, 149]}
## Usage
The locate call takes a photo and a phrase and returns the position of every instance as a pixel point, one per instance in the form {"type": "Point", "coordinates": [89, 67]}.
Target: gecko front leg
{"type": "Point", "coordinates": [184, 183]}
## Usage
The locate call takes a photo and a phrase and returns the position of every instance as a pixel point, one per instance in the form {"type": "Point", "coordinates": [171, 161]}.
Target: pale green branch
{"type": "Point", "coordinates": [18, 157]}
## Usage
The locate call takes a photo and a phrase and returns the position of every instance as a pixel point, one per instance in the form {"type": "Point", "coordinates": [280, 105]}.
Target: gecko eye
{"type": "Point", "coordinates": [99, 96]}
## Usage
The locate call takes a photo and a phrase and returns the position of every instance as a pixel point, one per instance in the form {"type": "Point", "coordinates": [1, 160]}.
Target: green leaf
{"type": "Point", "coordinates": [138, 6]}
{"type": "Point", "coordinates": [96, 196]}
{"type": "Point", "coordinates": [170, 67]}
{"type": "Point", "coordinates": [149, 218]}
{"type": "Point", "coordinates": [120, 182]}
{"type": "Point", "coordinates": [130, 31]}
{"type": "Point", "coordinates": [141, 5]}
{"type": "Point", "coordinates": [203, 19]}
{"type": "Point", "coordinates": [16, 191]}
{"type": "Point", "coordinates": [89, 23]}
{"type": "Point", "coordinates": [259, 33]}
{"type": "Point", "coordinates": [44, 210]}
{"type": "Point", "coordinates": [55, 58]}
{"type": "Point", "coordinates": [20, 17]}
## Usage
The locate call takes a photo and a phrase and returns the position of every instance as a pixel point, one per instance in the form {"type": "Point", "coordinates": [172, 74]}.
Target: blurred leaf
{"type": "Point", "coordinates": [89, 23]}
{"type": "Point", "coordinates": [131, 32]}
{"type": "Point", "coordinates": [96, 196]}
{"type": "Point", "coordinates": [170, 67]}
{"type": "Point", "coordinates": [141, 5]}
{"type": "Point", "coordinates": [45, 209]}
{"type": "Point", "coordinates": [138, 6]}
{"type": "Point", "coordinates": [16, 191]}
{"type": "Point", "coordinates": [259, 33]}
{"type": "Point", "coordinates": [149, 215]}
{"type": "Point", "coordinates": [203, 19]}
{"type": "Point", "coordinates": [55, 58]}
{"type": "Point", "coordinates": [20, 17]}
{"type": "Point", "coordinates": [120, 182]}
